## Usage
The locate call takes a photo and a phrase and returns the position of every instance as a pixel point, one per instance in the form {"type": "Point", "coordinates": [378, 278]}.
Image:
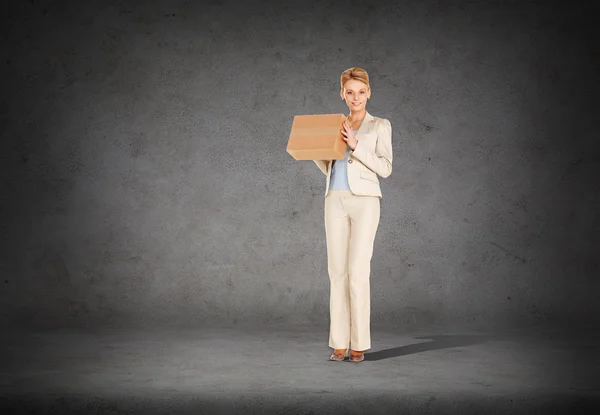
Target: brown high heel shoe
{"type": "Point", "coordinates": [338, 355]}
{"type": "Point", "coordinates": [356, 356]}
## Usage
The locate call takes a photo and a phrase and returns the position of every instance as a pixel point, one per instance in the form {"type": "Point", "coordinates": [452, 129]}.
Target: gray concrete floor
{"type": "Point", "coordinates": [285, 369]}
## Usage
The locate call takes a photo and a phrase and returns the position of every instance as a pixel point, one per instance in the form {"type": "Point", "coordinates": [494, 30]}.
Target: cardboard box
{"type": "Point", "coordinates": [317, 137]}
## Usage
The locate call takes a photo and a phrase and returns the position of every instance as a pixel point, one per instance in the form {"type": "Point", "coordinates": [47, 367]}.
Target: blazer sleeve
{"type": "Point", "coordinates": [380, 161]}
{"type": "Point", "coordinates": [322, 165]}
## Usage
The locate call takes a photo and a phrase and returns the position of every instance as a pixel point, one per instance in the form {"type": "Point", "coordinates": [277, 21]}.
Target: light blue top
{"type": "Point", "coordinates": [339, 172]}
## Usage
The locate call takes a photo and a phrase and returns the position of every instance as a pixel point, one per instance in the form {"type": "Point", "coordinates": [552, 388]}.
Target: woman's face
{"type": "Point", "coordinates": [356, 93]}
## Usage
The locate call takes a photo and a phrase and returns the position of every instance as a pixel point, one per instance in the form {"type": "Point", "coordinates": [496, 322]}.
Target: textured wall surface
{"type": "Point", "coordinates": [145, 179]}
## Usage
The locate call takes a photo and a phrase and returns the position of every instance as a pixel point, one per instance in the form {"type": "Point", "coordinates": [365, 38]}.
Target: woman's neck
{"type": "Point", "coordinates": [357, 116]}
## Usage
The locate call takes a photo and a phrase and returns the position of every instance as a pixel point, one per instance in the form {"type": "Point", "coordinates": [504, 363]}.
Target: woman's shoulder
{"type": "Point", "coordinates": [380, 120]}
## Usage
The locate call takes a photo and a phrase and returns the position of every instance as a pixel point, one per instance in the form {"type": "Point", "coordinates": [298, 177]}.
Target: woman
{"type": "Point", "coordinates": [352, 207]}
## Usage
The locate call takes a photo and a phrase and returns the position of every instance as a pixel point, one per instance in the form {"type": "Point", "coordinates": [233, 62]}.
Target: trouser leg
{"type": "Point", "coordinates": [364, 215]}
{"type": "Point", "coordinates": [337, 229]}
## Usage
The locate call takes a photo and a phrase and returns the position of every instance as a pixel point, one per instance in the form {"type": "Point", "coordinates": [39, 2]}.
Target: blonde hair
{"type": "Point", "coordinates": [354, 73]}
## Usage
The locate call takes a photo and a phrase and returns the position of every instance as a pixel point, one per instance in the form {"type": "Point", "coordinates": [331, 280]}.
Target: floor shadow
{"type": "Point", "coordinates": [437, 342]}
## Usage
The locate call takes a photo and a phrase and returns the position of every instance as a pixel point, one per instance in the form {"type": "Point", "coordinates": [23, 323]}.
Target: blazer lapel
{"type": "Point", "coordinates": [365, 125]}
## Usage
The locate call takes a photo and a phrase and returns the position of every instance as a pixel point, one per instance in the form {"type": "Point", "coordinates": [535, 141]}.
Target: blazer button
{"type": "Point", "coordinates": [350, 161]}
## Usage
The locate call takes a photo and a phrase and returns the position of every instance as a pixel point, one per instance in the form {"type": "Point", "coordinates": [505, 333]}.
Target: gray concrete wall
{"type": "Point", "coordinates": [145, 179]}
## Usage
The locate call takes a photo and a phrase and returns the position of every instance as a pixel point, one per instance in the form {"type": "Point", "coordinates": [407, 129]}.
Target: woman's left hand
{"type": "Point", "coordinates": [348, 136]}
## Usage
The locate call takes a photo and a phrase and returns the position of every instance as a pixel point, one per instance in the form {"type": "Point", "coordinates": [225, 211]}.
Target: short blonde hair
{"type": "Point", "coordinates": [354, 73]}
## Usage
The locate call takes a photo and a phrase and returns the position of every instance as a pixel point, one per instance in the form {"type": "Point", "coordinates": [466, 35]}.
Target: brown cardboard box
{"type": "Point", "coordinates": [317, 137]}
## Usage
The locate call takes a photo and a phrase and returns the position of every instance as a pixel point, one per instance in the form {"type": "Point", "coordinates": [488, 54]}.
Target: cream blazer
{"type": "Point", "coordinates": [371, 157]}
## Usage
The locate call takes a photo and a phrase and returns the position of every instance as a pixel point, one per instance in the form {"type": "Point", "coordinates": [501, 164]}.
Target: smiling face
{"type": "Point", "coordinates": [356, 94]}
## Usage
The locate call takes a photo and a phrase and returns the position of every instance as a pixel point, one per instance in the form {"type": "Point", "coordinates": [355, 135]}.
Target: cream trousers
{"type": "Point", "coordinates": [350, 226]}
